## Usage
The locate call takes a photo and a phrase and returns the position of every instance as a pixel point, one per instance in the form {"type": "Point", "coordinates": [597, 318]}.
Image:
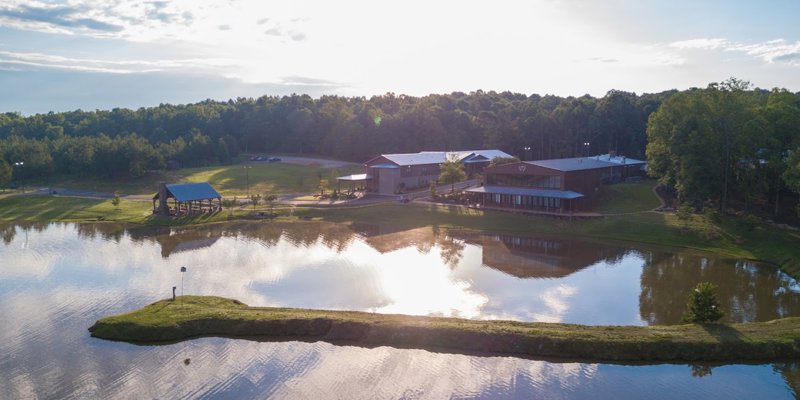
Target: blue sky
{"type": "Point", "coordinates": [93, 54]}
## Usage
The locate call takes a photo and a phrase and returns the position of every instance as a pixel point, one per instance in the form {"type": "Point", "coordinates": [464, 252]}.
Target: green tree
{"type": "Point", "coordinates": [115, 200]}
{"type": "Point", "coordinates": [503, 160]}
{"type": "Point", "coordinates": [271, 199]}
{"type": "Point", "coordinates": [5, 174]}
{"type": "Point", "coordinates": [452, 171]}
{"type": "Point", "coordinates": [255, 198]}
{"type": "Point", "coordinates": [702, 305]}
{"type": "Point", "coordinates": [792, 174]}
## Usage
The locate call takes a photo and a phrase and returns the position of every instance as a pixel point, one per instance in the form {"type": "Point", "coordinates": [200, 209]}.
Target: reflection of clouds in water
{"type": "Point", "coordinates": [420, 284]}
{"type": "Point", "coordinates": [556, 299]}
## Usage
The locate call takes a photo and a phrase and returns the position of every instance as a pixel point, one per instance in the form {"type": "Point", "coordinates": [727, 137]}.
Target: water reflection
{"type": "Point", "coordinates": [70, 275]}
{"type": "Point", "coordinates": [424, 271]}
{"type": "Point", "coordinates": [746, 291]}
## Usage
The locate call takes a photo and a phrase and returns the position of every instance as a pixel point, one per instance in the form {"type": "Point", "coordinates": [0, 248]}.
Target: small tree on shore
{"type": "Point", "coordinates": [702, 305]}
{"type": "Point", "coordinates": [255, 198]}
{"type": "Point", "coordinates": [271, 199]}
{"type": "Point", "coordinates": [115, 200]}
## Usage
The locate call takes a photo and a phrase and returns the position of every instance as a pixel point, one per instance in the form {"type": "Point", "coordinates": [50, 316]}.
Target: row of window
{"type": "Point", "coordinates": [526, 201]}
{"type": "Point", "coordinates": [409, 171]}
{"type": "Point", "coordinates": [537, 181]}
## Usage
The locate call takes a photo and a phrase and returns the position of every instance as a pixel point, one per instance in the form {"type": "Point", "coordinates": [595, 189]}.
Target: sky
{"type": "Point", "coordinates": [62, 55]}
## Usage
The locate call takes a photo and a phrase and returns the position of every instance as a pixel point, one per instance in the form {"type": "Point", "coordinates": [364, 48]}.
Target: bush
{"type": "Point", "coordinates": [713, 215]}
{"type": "Point", "coordinates": [702, 305]}
{"type": "Point", "coordinates": [747, 223]}
{"type": "Point", "coordinates": [684, 212]}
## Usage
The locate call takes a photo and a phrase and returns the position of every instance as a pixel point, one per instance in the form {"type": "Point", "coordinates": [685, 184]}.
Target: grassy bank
{"type": "Point", "coordinates": [195, 316]}
{"type": "Point", "coordinates": [732, 237]}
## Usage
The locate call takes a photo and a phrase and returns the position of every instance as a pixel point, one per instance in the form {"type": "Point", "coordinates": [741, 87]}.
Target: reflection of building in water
{"type": "Point", "coordinates": [386, 239]}
{"type": "Point", "coordinates": [532, 257]}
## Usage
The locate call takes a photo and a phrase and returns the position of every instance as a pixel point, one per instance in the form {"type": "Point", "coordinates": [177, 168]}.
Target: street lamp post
{"type": "Point", "coordinates": [19, 165]}
{"type": "Point", "coordinates": [586, 146]}
{"type": "Point", "coordinates": [528, 150]}
{"type": "Point", "coordinates": [247, 179]}
{"type": "Point", "coordinates": [183, 269]}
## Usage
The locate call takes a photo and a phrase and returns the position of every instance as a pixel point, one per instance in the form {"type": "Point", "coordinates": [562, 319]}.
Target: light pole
{"type": "Point", "coordinates": [586, 146]}
{"type": "Point", "coordinates": [528, 150]}
{"type": "Point", "coordinates": [19, 165]}
{"type": "Point", "coordinates": [183, 269]}
{"type": "Point", "coordinates": [247, 179]}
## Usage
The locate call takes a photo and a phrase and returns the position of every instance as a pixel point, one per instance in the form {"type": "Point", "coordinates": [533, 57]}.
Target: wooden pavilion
{"type": "Point", "coordinates": [187, 199]}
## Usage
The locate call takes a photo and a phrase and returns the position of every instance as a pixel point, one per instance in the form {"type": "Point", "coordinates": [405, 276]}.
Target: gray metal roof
{"type": "Point", "coordinates": [438, 157]}
{"type": "Point", "coordinates": [571, 164]}
{"type": "Point", "coordinates": [192, 191]}
{"type": "Point", "coordinates": [558, 194]}
{"type": "Point", "coordinates": [584, 163]}
{"type": "Point", "coordinates": [621, 160]}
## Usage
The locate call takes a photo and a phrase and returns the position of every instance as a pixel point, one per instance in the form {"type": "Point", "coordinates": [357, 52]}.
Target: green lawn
{"type": "Point", "coordinates": [229, 180]}
{"type": "Point", "coordinates": [264, 178]}
{"type": "Point", "coordinates": [53, 208]}
{"type": "Point", "coordinates": [627, 197]}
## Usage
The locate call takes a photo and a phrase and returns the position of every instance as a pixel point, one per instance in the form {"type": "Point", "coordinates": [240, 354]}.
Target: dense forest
{"type": "Point", "coordinates": [727, 142]}
{"type": "Point", "coordinates": [123, 141]}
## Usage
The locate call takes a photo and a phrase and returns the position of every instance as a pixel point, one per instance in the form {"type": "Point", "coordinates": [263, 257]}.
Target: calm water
{"type": "Point", "coordinates": [57, 279]}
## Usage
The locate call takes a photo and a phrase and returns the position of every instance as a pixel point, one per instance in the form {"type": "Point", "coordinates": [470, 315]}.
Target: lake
{"type": "Point", "coordinates": [57, 279]}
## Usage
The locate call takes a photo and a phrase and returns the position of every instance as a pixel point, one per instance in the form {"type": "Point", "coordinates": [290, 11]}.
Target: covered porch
{"type": "Point", "coordinates": [354, 183]}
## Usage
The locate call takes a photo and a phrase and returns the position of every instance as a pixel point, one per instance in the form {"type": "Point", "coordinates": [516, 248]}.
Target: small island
{"type": "Point", "coordinates": [190, 317]}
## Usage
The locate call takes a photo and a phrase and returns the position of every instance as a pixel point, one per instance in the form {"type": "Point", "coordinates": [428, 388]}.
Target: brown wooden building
{"type": "Point", "coordinates": [562, 185]}
{"type": "Point", "coordinates": [397, 173]}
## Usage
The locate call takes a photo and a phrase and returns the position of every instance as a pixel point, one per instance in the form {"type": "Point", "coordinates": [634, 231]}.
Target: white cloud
{"type": "Point", "coordinates": [111, 66]}
{"type": "Point", "coordinates": [772, 51]}
{"type": "Point", "coordinates": [705, 44]}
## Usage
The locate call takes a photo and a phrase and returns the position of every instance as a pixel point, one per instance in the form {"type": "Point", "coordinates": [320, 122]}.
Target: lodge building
{"type": "Point", "coordinates": [562, 185]}
{"type": "Point", "coordinates": [397, 173]}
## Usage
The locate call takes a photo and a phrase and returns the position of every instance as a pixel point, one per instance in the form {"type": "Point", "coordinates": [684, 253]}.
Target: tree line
{"type": "Point", "coordinates": [130, 142]}
{"type": "Point", "coordinates": [728, 144]}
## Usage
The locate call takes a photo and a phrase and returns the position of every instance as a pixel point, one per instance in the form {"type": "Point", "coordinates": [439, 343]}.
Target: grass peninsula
{"type": "Point", "coordinates": [198, 316]}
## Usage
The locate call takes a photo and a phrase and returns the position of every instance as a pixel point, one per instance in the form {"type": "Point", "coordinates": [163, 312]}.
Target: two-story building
{"type": "Point", "coordinates": [560, 185]}
{"type": "Point", "coordinates": [397, 173]}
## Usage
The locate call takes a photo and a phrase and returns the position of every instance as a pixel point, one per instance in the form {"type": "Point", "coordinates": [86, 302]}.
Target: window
{"type": "Point", "coordinates": [537, 181]}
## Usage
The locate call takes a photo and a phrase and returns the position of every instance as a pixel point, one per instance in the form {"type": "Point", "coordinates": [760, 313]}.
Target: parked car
{"type": "Point", "coordinates": [273, 159]}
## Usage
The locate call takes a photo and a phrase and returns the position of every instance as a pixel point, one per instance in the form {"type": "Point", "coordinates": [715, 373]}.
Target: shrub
{"type": "Point", "coordinates": [713, 215]}
{"type": "Point", "coordinates": [684, 212]}
{"type": "Point", "coordinates": [115, 200]}
{"type": "Point", "coordinates": [702, 305]}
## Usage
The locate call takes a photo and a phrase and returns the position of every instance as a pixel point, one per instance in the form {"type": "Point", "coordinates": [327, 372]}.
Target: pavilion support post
{"type": "Point", "coordinates": [163, 206]}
